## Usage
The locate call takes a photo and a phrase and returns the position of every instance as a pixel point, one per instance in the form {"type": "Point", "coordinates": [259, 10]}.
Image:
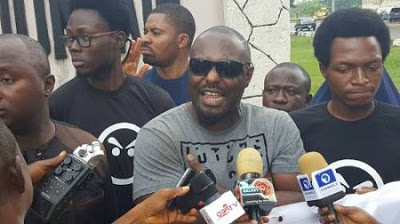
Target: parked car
{"type": "Point", "coordinates": [305, 23]}
{"type": "Point", "coordinates": [394, 14]}
{"type": "Point", "coordinates": [384, 12]}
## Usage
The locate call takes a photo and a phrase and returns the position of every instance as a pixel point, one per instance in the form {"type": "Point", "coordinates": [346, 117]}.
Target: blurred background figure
{"type": "Point", "coordinates": [287, 87]}
{"type": "Point", "coordinates": [168, 36]}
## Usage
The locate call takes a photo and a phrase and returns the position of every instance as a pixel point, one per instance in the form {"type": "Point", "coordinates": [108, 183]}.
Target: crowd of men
{"type": "Point", "coordinates": [187, 110]}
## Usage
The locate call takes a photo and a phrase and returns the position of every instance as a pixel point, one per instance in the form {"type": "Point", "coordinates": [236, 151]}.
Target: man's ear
{"type": "Point", "coordinates": [121, 40]}
{"type": "Point", "coordinates": [308, 99]}
{"type": "Point", "coordinates": [49, 82]}
{"type": "Point", "coordinates": [322, 69]}
{"type": "Point", "coordinates": [15, 175]}
{"type": "Point", "coordinates": [249, 73]}
{"type": "Point", "coordinates": [183, 40]}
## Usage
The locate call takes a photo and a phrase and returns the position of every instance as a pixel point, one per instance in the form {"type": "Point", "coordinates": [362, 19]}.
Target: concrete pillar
{"type": "Point", "coordinates": [265, 24]}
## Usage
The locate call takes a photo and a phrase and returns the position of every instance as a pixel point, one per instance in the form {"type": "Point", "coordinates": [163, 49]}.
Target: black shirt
{"type": "Point", "coordinates": [114, 117]}
{"type": "Point", "coordinates": [374, 140]}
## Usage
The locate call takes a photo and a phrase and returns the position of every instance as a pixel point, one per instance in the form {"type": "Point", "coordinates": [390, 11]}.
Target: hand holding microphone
{"type": "Point", "coordinates": [347, 215]}
{"type": "Point", "coordinates": [153, 210]}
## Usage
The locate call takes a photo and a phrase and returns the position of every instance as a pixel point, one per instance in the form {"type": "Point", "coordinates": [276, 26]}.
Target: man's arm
{"type": "Point", "coordinates": [157, 163]}
{"type": "Point", "coordinates": [287, 189]}
{"type": "Point", "coordinates": [284, 167]}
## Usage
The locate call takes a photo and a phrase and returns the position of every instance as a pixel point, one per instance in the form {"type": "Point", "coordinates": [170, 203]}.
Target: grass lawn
{"type": "Point", "coordinates": [302, 53]}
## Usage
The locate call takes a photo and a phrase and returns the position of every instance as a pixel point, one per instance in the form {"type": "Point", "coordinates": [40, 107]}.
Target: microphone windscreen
{"type": "Point", "coordinates": [249, 161]}
{"type": "Point", "coordinates": [310, 162]}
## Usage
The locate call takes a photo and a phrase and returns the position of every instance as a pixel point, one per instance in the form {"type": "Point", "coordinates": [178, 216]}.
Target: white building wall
{"type": "Point", "coordinates": [375, 4]}
{"type": "Point", "coordinates": [265, 23]}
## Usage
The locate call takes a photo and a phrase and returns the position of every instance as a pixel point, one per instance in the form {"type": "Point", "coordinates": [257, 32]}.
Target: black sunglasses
{"type": "Point", "coordinates": [226, 69]}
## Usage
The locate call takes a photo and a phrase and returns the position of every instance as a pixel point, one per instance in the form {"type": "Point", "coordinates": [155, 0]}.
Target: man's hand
{"type": "Point", "coordinates": [40, 168]}
{"type": "Point", "coordinates": [131, 63]}
{"type": "Point", "coordinates": [346, 215]}
{"type": "Point", "coordinates": [245, 219]}
{"type": "Point", "coordinates": [364, 190]}
{"type": "Point", "coordinates": [153, 210]}
{"type": "Point", "coordinates": [197, 168]}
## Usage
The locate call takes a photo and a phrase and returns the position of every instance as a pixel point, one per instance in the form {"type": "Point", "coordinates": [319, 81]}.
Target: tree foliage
{"type": "Point", "coordinates": [309, 8]}
{"type": "Point", "coordinates": [342, 4]}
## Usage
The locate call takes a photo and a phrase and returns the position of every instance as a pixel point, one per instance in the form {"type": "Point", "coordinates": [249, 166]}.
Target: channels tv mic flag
{"type": "Point", "coordinates": [318, 182]}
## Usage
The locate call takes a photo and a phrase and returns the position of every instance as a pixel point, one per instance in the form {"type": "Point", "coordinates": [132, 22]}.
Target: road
{"type": "Point", "coordinates": [393, 27]}
{"type": "Point", "coordinates": [394, 30]}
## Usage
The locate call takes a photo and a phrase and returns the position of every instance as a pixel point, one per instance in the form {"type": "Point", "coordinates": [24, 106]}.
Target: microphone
{"type": "Point", "coordinates": [319, 182]}
{"type": "Point", "coordinates": [219, 209]}
{"type": "Point", "coordinates": [256, 194]}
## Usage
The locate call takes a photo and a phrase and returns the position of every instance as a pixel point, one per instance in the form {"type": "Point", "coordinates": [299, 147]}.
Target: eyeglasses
{"type": "Point", "coordinates": [84, 40]}
{"type": "Point", "coordinates": [226, 69]}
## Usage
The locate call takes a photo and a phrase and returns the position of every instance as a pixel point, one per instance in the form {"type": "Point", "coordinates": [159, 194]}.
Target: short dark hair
{"type": "Point", "coordinates": [232, 33]}
{"type": "Point", "coordinates": [180, 17]}
{"type": "Point", "coordinates": [114, 12]}
{"type": "Point", "coordinates": [35, 50]}
{"type": "Point", "coordinates": [8, 153]}
{"type": "Point", "coordinates": [353, 22]}
{"type": "Point", "coordinates": [294, 66]}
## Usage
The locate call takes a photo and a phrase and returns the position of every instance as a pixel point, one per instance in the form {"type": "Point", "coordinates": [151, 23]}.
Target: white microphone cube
{"type": "Point", "coordinates": [225, 210]}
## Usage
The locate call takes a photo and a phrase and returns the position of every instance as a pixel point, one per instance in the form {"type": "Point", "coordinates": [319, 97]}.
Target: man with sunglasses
{"type": "Point", "coordinates": [215, 125]}
{"type": "Point", "coordinates": [103, 100]}
{"type": "Point", "coordinates": [168, 35]}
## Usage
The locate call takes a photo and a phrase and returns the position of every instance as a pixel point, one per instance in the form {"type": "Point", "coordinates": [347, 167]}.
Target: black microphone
{"type": "Point", "coordinates": [202, 188]}
{"type": "Point", "coordinates": [319, 182]}
{"type": "Point", "coordinates": [219, 208]}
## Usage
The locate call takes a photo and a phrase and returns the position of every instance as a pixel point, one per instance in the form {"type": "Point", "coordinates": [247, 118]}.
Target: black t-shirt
{"type": "Point", "coordinates": [374, 140]}
{"type": "Point", "coordinates": [88, 205]}
{"type": "Point", "coordinates": [115, 118]}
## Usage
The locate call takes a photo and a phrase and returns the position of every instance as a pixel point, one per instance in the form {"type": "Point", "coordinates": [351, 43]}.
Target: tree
{"type": "Point", "coordinates": [343, 4]}
{"type": "Point", "coordinates": [309, 8]}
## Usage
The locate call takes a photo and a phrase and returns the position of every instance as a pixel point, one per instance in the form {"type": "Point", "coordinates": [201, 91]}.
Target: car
{"type": "Point", "coordinates": [394, 14]}
{"type": "Point", "coordinates": [305, 23]}
{"type": "Point", "coordinates": [384, 12]}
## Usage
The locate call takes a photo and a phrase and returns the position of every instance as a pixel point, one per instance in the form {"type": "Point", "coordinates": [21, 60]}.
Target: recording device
{"type": "Point", "coordinates": [319, 182]}
{"type": "Point", "coordinates": [256, 194]}
{"type": "Point", "coordinates": [56, 191]}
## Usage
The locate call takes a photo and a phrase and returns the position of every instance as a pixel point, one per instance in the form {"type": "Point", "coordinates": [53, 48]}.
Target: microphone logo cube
{"type": "Point", "coordinates": [305, 184]}
{"type": "Point", "coordinates": [306, 187]}
{"type": "Point", "coordinates": [226, 209]}
{"type": "Point", "coordinates": [325, 182]}
{"type": "Point", "coordinates": [325, 178]}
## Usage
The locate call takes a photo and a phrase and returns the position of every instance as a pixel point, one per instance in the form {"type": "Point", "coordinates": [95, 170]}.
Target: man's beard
{"type": "Point", "coordinates": [153, 62]}
{"type": "Point", "coordinates": [207, 119]}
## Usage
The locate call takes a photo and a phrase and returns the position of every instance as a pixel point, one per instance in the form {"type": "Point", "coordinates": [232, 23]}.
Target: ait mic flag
{"type": "Point", "coordinates": [325, 182]}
